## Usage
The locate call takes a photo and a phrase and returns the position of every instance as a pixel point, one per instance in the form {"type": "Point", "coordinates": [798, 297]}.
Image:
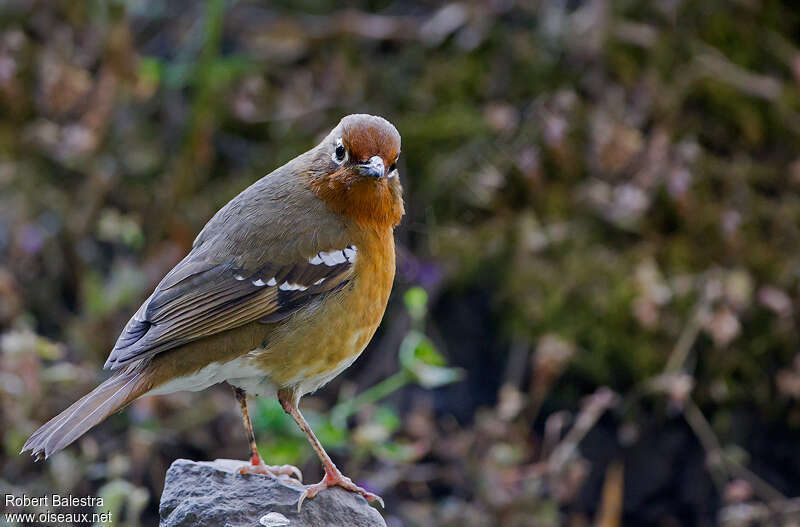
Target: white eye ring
{"type": "Point", "coordinates": [340, 149]}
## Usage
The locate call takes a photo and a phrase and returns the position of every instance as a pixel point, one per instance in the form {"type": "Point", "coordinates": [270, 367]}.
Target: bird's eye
{"type": "Point", "coordinates": [394, 166]}
{"type": "Point", "coordinates": [340, 153]}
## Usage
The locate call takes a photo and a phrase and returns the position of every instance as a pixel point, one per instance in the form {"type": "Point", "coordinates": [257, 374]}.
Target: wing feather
{"type": "Point", "coordinates": [209, 299]}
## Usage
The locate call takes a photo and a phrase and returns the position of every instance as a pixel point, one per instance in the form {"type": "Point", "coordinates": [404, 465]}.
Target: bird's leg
{"type": "Point", "coordinates": [257, 465]}
{"type": "Point", "coordinates": [333, 476]}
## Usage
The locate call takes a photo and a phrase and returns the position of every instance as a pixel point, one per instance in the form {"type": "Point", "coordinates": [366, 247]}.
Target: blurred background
{"type": "Point", "coordinates": [594, 320]}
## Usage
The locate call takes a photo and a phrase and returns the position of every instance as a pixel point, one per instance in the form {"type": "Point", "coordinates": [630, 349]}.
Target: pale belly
{"type": "Point", "coordinates": [261, 385]}
{"type": "Point", "coordinates": [234, 372]}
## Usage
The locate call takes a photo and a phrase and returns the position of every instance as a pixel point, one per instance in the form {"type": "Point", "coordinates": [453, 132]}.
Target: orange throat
{"type": "Point", "coordinates": [375, 204]}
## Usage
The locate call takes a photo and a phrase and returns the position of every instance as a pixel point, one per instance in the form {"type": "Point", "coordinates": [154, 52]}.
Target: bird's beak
{"type": "Point", "coordinates": [372, 168]}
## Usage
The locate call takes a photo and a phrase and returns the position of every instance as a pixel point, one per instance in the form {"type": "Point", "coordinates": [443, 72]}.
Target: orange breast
{"type": "Point", "coordinates": [319, 341]}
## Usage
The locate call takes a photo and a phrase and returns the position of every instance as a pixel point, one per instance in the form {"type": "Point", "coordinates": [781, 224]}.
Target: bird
{"type": "Point", "coordinates": [281, 291]}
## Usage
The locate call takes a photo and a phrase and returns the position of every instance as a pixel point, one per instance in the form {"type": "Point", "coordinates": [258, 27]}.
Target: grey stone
{"type": "Point", "coordinates": [212, 493]}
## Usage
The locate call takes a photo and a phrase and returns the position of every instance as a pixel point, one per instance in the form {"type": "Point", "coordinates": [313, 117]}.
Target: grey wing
{"type": "Point", "coordinates": [199, 298]}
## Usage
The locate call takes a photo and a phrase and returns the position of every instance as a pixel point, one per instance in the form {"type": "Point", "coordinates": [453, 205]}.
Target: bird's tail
{"type": "Point", "coordinates": [69, 425]}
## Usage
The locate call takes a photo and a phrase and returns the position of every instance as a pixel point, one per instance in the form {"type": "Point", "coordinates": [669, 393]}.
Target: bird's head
{"type": "Point", "coordinates": [355, 171]}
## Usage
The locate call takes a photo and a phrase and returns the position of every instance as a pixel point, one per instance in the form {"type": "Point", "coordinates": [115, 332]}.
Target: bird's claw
{"type": "Point", "coordinates": [271, 470]}
{"type": "Point", "coordinates": [336, 480]}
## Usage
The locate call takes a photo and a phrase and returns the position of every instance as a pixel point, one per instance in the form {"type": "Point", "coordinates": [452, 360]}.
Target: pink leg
{"type": "Point", "coordinates": [333, 476]}
{"type": "Point", "coordinates": [257, 465]}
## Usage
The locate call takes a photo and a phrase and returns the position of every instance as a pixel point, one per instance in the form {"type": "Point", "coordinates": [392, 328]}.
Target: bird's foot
{"type": "Point", "coordinates": [336, 479]}
{"type": "Point", "coordinates": [256, 466]}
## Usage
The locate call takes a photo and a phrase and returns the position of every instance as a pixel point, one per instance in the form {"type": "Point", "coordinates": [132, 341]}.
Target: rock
{"type": "Point", "coordinates": [212, 493]}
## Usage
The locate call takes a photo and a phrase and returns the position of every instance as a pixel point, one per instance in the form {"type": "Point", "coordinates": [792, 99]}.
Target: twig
{"type": "Point", "coordinates": [596, 405]}
{"type": "Point", "coordinates": [714, 64]}
{"type": "Point", "coordinates": [610, 513]}
{"type": "Point", "coordinates": [343, 410]}
{"type": "Point", "coordinates": [709, 442]}
{"type": "Point", "coordinates": [758, 514]}
{"type": "Point", "coordinates": [718, 457]}
{"type": "Point", "coordinates": [636, 33]}
{"type": "Point", "coordinates": [680, 352]}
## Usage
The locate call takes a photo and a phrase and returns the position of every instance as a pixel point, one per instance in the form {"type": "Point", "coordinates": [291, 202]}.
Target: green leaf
{"type": "Point", "coordinates": [283, 451]}
{"type": "Point", "coordinates": [416, 299]}
{"type": "Point", "coordinates": [397, 452]}
{"type": "Point", "coordinates": [433, 376]}
{"type": "Point", "coordinates": [420, 358]}
{"type": "Point", "coordinates": [387, 418]}
{"type": "Point", "coordinates": [330, 435]}
{"type": "Point", "coordinates": [269, 416]}
{"type": "Point", "coordinates": [150, 69]}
